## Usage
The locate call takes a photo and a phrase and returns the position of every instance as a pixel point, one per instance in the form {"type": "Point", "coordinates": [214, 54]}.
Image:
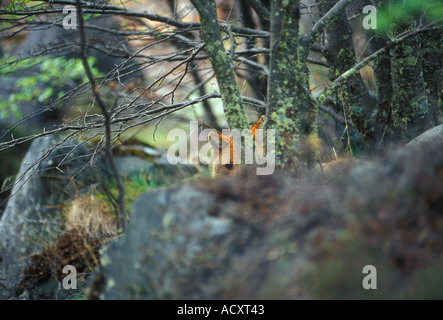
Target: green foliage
{"type": "Point", "coordinates": [45, 85]}
{"type": "Point", "coordinates": [21, 5]}
{"type": "Point", "coordinates": [389, 14]}
{"type": "Point", "coordinates": [20, 2]}
{"type": "Point", "coordinates": [134, 186]}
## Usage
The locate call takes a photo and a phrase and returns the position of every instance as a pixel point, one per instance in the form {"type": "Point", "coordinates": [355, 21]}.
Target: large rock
{"type": "Point", "coordinates": [277, 237]}
{"type": "Point", "coordinates": [434, 135]}
{"type": "Point", "coordinates": [50, 174]}
{"type": "Point", "coordinates": [32, 229]}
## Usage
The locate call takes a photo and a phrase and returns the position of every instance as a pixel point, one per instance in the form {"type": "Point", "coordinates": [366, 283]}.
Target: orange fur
{"type": "Point", "coordinates": [227, 164]}
{"type": "Point", "coordinates": [230, 164]}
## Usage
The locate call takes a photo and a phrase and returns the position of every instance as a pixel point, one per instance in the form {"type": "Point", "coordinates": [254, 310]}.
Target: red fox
{"type": "Point", "coordinates": [228, 163]}
{"type": "Point", "coordinates": [225, 163]}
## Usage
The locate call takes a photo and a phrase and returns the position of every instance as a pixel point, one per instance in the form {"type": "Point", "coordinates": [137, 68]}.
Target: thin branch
{"type": "Point", "coordinates": [93, 8]}
{"type": "Point", "coordinates": [166, 109]}
{"type": "Point", "coordinates": [253, 64]}
{"type": "Point", "coordinates": [336, 116]}
{"type": "Point", "coordinates": [318, 62]}
{"type": "Point", "coordinates": [121, 214]}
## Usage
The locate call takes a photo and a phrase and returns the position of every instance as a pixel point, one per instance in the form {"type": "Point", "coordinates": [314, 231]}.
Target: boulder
{"type": "Point", "coordinates": [33, 239]}
{"type": "Point", "coordinates": [280, 237]}
{"type": "Point", "coordinates": [434, 135]}
{"type": "Point", "coordinates": [31, 219]}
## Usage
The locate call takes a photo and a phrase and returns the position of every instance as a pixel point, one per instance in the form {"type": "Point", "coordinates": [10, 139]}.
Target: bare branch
{"type": "Point", "coordinates": [93, 8]}
{"type": "Point", "coordinates": [121, 214]}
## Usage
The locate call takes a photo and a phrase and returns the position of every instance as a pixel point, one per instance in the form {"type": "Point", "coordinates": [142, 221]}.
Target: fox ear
{"type": "Point", "coordinates": [217, 141]}
{"type": "Point", "coordinates": [257, 125]}
{"type": "Point", "coordinates": [214, 141]}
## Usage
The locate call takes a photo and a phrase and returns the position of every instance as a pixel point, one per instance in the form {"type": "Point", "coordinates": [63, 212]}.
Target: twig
{"type": "Point", "coordinates": [121, 214]}
{"type": "Point", "coordinates": [93, 8]}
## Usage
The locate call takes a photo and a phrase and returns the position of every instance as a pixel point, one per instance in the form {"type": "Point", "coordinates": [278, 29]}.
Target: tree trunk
{"type": "Point", "coordinates": [222, 65]}
{"type": "Point", "coordinates": [410, 114]}
{"type": "Point", "coordinates": [352, 96]}
{"type": "Point", "coordinates": [289, 111]}
{"type": "Point", "coordinates": [432, 65]}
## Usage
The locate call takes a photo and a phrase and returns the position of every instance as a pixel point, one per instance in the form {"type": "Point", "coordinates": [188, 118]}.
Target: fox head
{"type": "Point", "coordinates": [225, 163]}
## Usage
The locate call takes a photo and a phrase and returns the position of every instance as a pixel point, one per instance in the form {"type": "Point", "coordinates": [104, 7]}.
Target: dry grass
{"type": "Point", "coordinates": [90, 214]}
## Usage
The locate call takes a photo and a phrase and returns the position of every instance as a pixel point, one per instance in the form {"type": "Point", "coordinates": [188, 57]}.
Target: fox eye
{"type": "Point", "coordinates": [229, 166]}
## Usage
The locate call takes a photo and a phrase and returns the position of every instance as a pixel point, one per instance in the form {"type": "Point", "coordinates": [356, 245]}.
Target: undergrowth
{"type": "Point", "coordinates": [89, 222]}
